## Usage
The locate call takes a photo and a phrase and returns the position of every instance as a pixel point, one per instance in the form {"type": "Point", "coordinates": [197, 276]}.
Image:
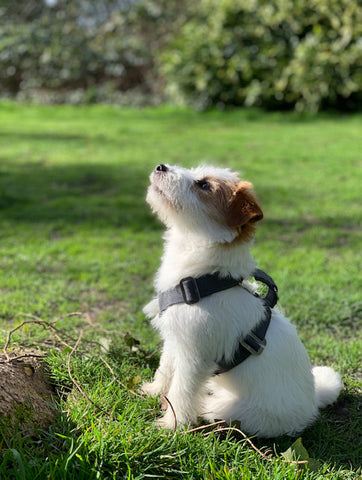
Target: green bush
{"type": "Point", "coordinates": [80, 45]}
{"type": "Point", "coordinates": [303, 54]}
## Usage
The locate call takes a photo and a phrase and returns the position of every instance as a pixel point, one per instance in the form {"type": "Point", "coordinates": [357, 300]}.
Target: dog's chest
{"type": "Point", "coordinates": [224, 316]}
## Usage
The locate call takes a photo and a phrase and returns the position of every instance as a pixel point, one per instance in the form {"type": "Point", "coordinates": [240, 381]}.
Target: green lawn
{"type": "Point", "coordinates": [77, 235]}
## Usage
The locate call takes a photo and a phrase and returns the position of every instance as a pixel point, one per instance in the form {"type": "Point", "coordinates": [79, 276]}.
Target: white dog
{"type": "Point", "coordinates": [210, 217]}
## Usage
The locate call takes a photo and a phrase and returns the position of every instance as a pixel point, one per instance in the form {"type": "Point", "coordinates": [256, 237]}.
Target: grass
{"type": "Point", "coordinates": [76, 235]}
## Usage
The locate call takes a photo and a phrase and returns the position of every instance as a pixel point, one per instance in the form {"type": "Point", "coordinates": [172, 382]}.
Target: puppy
{"type": "Point", "coordinates": [210, 217]}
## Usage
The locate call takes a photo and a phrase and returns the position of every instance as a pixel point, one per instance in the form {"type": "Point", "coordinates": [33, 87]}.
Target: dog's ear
{"type": "Point", "coordinates": [243, 207]}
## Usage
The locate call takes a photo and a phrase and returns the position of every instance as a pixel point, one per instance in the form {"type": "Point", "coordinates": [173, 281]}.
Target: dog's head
{"type": "Point", "coordinates": [208, 201]}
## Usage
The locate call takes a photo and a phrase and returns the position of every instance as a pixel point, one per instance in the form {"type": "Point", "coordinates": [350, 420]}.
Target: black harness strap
{"type": "Point", "coordinates": [252, 344]}
{"type": "Point", "coordinates": [271, 297]}
{"type": "Point", "coordinates": [190, 290]}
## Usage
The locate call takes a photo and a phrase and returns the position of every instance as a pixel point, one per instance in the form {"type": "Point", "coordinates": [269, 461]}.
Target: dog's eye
{"type": "Point", "coordinates": [203, 184]}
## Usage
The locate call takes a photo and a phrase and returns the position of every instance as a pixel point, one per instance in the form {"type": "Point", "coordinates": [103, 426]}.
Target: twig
{"type": "Point", "coordinates": [204, 427]}
{"type": "Point", "coordinates": [59, 333]}
{"type": "Point", "coordinates": [51, 325]}
{"type": "Point", "coordinates": [263, 455]}
{"type": "Point", "coordinates": [173, 411]}
{"type": "Point", "coordinates": [19, 357]}
{"type": "Point", "coordinates": [35, 320]}
{"type": "Point", "coordinates": [74, 349]}
{"type": "Point", "coordinates": [235, 429]}
{"type": "Point", "coordinates": [63, 342]}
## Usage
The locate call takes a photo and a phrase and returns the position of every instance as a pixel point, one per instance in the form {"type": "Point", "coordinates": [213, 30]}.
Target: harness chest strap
{"type": "Point", "coordinates": [190, 290]}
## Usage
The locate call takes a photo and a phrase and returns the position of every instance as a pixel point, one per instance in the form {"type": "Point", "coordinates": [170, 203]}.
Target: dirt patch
{"type": "Point", "coordinates": [26, 396]}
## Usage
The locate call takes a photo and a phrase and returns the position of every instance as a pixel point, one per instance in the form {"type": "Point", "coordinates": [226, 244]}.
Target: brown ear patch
{"type": "Point", "coordinates": [243, 208]}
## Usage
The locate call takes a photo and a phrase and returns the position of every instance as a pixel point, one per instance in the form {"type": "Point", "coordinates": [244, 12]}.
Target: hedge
{"type": "Point", "coordinates": [94, 47]}
{"type": "Point", "coordinates": [304, 54]}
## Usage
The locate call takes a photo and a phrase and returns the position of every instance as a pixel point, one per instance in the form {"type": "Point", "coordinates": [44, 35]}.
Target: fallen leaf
{"type": "Point", "coordinates": [105, 343]}
{"type": "Point", "coordinates": [133, 382]}
{"type": "Point", "coordinates": [297, 452]}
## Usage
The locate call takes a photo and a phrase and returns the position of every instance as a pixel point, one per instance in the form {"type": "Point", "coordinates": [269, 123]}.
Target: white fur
{"type": "Point", "coordinates": [272, 394]}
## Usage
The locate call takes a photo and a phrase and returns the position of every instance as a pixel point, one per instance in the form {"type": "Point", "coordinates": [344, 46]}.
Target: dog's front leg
{"type": "Point", "coordinates": [162, 380]}
{"type": "Point", "coordinates": [184, 393]}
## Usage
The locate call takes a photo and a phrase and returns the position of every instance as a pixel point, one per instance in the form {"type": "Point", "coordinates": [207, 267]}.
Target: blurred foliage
{"type": "Point", "coordinates": [90, 49]}
{"type": "Point", "coordinates": [305, 54]}
{"type": "Point", "coordinates": [275, 54]}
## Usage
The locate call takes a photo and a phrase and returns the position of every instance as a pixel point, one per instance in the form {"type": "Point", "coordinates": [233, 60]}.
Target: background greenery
{"type": "Point", "coordinates": [76, 235]}
{"type": "Point", "coordinates": [278, 54]}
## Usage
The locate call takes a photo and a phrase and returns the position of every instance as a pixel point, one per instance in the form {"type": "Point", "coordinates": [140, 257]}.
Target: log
{"type": "Point", "coordinates": [26, 395]}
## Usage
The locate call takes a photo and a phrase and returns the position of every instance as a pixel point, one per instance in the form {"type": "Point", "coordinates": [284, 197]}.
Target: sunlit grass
{"type": "Point", "coordinates": [76, 235]}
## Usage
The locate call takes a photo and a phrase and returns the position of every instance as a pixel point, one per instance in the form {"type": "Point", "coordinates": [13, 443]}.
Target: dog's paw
{"type": "Point", "coordinates": [171, 422]}
{"type": "Point", "coordinates": [151, 388]}
{"type": "Point", "coordinates": [167, 421]}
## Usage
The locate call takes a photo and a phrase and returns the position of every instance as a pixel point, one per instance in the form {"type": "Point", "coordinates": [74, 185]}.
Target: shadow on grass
{"type": "Point", "coordinates": [270, 116]}
{"type": "Point", "coordinates": [101, 195]}
{"type": "Point", "coordinates": [107, 195]}
{"type": "Point", "coordinates": [57, 137]}
{"type": "Point", "coordinates": [334, 438]}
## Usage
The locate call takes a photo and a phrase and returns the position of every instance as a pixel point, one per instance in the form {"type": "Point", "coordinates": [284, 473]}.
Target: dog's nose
{"type": "Point", "coordinates": [161, 168]}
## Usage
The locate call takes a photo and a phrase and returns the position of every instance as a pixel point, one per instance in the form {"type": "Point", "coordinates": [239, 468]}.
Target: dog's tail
{"type": "Point", "coordinates": [327, 385]}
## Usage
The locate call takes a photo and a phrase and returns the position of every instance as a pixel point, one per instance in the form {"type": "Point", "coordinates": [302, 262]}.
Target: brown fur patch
{"type": "Point", "coordinates": [244, 212]}
{"type": "Point", "coordinates": [243, 207]}
{"type": "Point", "coordinates": [233, 204]}
{"type": "Point", "coordinates": [218, 197]}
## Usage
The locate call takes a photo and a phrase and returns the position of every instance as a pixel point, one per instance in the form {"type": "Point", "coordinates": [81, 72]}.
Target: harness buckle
{"type": "Point", "coordinates": [253, 344]}
{"type": "Point", "coordinates": [257, 339]}
{"type": "Point", "coordinates": [190, 290]}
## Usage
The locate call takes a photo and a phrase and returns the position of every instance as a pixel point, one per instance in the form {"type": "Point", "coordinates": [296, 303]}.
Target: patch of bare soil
{"type": "Point", "coordinates": [26, 396]}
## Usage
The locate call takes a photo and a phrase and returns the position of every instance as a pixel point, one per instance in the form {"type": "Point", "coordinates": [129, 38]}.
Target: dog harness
{"type": "Point", "coordinates": [191, 290]}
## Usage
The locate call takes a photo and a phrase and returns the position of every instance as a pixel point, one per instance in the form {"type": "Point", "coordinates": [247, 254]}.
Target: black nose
{"type": "Point", "coordinates": [161, 168]}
